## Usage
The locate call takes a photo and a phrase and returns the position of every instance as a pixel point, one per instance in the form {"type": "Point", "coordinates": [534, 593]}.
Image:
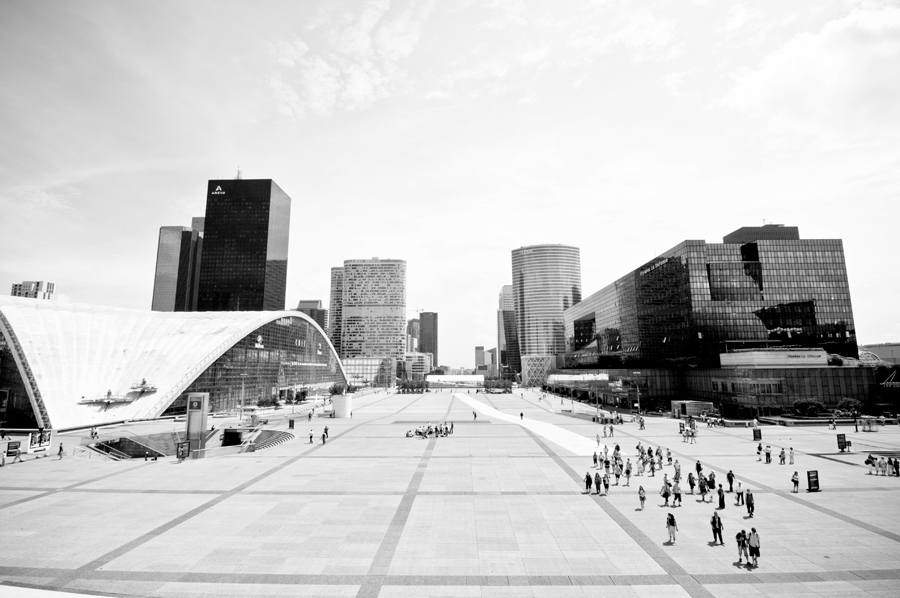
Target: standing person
{"type": "Point", "coordinates": [664, 492]}
{"type": "Point", "coordinates": [669, 456]}
{"type": "Point", "coordinates": [597, 482]}
{"type": "Point", "coordinates": [474, 415]}
{"type": "Point", "coordinates": [796, 480]}
{"type": "Point", "coordinates": [451, 427]}
{"type": "Point", "coordinates": [741, 538]}
{"type": "Point", "coordinates": [642, 495]}
{"type": "Point", "coordinates": [759, 452]}
{"type": "Point", "coordinates": [309, 416]}
{"type": "Point", "coordinates": [595, 459]}
{"type": "Point", "coordinates": [617, 470]}
{"type": "Point", "coordinates": [751, 503]}
{"type": "Point", "coordinates": [310, 436]}
{"type": "Point", "coordinates": [605, 484]}
{"type": "Point", "coordinates": [588, 481]}
{"type": "Point", "coordinates": [652, 467]}
{"type": "Point", "coordinates": [754, 543]}
{"type": "Point", "coordinates": [701, 482]}
{"type": "Point", "coordinates": [598, 440]}
{"type": "Point", "coordinates": [521, 415]}
{"type": "Point", "coordinates": [717, 527]}
{"type": "Point", "coordinates": [699, 469]}
{"type": "Point", "coordinates": [691, 482]}
{"type": "Point", "coordinates": [791, 456]}
{"type": "Point", "coordinates": [781, 456]}
{"type": "Point", "coordinates": [62, 452]}
{"type": "Point", "coordinates": [721, 497]}
{"type": "Point", "coordinates": [672, 527]}
{"type": "Point", "coordinates": [324, 436]}
{"type": "Point", "coordinates": [739, 495]}
{"type": "Point", "coordinates": [326, 432]}
{"type": "Point", "coordinates": [604, 430]}
{"type": "Point", "coordinates": [628, 472]}
{"type": "Point", "coordinates": [676, 491]}
{"type": "Point", "coordinates": [768, 454]}
{"type": "Point", "coordinates": [730, 477]}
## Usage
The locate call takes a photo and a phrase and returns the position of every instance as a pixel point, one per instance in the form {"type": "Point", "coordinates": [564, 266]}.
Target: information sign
{"type": "Point", "coordinates": [183, 450]}
{"type": "Point", "coordinates": [757, 434]}
{"type": "Point", "coordinates": [812, 481]}
{"type": "Point", "coordinates": [842, 442]}
{"type": "Point", "coordinates": [12, 446]}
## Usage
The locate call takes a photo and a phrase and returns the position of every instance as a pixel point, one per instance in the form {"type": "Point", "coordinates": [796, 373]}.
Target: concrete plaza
{"type": "Point", "coordinates": [496, 509]}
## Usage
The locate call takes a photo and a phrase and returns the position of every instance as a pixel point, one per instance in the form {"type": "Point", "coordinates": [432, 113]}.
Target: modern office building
{"type": "Point", "coordinates": [313, 308]}
{"type": "Point", "coordinates": [335, 308]}
{"type": "Point", "coordinates": [245, 246]}
{"type": "Point", "coordinates": [546, 282]}
{"type": "Point", "coordinates": [68, 365]}
{"type": "Point", "coordinates": [412, 336]}
{"type": "Point", "coordinates": [418, 365]}
{"type": "Point", "coordinates": [177, 275]}
{"type": "Point", "coordinates": [479, 356]}
{"type": "Point", "coordinates": [428, 334]}
{"type": "Point", "coordinates": [752, 325]}
{"type": "Point", "coordinates": [507, 337]}
{"type": "Point", "coordinates": [370, 371]}
{"type": "Point", "coordinates": [33, 289]}
{"type": "Point", "coordinates": [373, 309]}
{"type": "Point", "coordinates": [887, 352]}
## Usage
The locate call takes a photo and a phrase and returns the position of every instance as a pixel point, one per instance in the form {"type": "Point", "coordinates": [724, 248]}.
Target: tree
{"type": "Point", "coordinates": [808, 407]}
{"type": "Point", "coordinates": [851, 405]}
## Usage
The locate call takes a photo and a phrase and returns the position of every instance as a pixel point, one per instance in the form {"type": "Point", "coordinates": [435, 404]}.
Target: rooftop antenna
{"type": "Point", "coordinates": [239, 175]}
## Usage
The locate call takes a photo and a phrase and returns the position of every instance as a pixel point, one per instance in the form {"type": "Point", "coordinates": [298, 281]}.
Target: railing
{"type": "Point", "coordinates": [112, 452]}
{"type": "Point", "coordinates": [84, 452]}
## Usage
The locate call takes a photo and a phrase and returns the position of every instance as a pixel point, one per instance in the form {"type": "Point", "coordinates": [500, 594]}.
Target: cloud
{"type": "Point", "coordinates": [360, 59]}
{"type": "Point", "coordinates": [738, 17]}
{"type": "Point", "coordinates": [673, 82]}
{"type": "Point", "coordinates": [840, 85]}
{"type": "Point", "coordinates": [535, 56]}
{"type": "Point", "coordinates": [649, 37]}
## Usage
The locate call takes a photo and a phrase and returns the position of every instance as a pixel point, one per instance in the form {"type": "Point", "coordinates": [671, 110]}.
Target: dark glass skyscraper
{"type": "Point", "coordinates": [428, 335]}
{"type": "Point", "coordinates": [245, 246]}
{"type": "Point", "coordinates": [177, 275]}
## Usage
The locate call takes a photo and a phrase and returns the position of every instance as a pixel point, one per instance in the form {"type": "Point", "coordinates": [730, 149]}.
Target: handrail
{"type": "Point", "coordinates": [142, 440]}
{"type": "Point", "coordinates": [89, 453]}
{"type": "Point", "coordinates": [112, 451]}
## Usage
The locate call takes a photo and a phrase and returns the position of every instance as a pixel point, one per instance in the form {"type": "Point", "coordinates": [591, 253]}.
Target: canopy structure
{"type": "Point", "coordinates": [84, 365]}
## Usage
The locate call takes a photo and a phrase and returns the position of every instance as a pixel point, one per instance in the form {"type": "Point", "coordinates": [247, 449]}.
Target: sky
{"type": "Point", "coordinates": [448, 134]}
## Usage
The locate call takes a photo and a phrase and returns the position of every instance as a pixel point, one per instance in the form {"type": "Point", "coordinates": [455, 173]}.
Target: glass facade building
{"type": "Point", "coordinates": [507, 336]}
{"type": "Point", "coordinates": [245, 246]}
{"type": "Point", "coordinates": [177, 276]}
{"type": "Point", "coordinates": [546, 282]}
{"type": "Point", "coordinates": [373, 309]}
{"type": "Point", "coordinates": [428, 335]}
{"type": "Point", "coordinates": [370, 371]}
{"type": "Point", "coordinates": [313, 308]}
{"type": "Point", "coordinates": [335, 308]}
{"type": "Point", "coordinates": [700, 299]}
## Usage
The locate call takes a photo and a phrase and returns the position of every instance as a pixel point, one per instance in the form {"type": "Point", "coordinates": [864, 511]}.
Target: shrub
{"type": "Point", "coordinates": [851, 405]}
{"type": "Point", "coordinates": [808, 407]}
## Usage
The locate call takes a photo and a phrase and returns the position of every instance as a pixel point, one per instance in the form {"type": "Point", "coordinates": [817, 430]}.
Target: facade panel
{"type": "Point", "coordinates": [374, 309]}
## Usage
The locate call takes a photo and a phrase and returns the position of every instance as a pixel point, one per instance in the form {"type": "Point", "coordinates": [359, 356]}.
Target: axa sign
{"type": "Point", "coordinates": [218, 191]}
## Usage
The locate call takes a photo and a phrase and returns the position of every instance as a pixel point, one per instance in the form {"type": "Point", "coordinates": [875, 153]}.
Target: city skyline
{"type": "Point", "coordinates": [636, 128]}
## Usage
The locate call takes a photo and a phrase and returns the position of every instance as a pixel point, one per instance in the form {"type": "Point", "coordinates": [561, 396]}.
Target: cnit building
{"type": "Point", "coordinates": [753, 324]}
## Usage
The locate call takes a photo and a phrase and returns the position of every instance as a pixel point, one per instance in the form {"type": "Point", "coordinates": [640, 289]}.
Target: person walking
{"type": "Point", "coordinates": [642, 495]}
{"type": "Point", "coordinates": [796, 480]}
{"type": "Point", "coordinates": [451, 427]}
{"type": "Point", "coordinates": [741, 538]}
{"type": "Point", "coordinates": [721, 497]}
{"type": "Point", "coordinates": [588, 481]}
{"type": "Point", "coordinates": [617, 470]}
{"type": "Point", "coordinates": [691, 482]}
{"type": "Point", "coordinates": [628, 472]}
{"type": "Point", "coordinates": [326, 432]}
{"type": "Point", "coordinates": [598, 440]}
{"type": "Point", "coordinates": [791, 456]}
{"type": "Point", "coordinates": [595, 459]}
{"type": "Point", "coordinates": [672, 527]}
{"type": "Point", "coordinates": [17, 455]}
{"type": "Point", "coordinates": [699, 469]}
{"type": "Point", "coordinates": [753, 542]}
{"type": "Point", "coordinates": [521, 415]}
{"type": "Point", "coordinates": [62, 452]}
{"type": "Point", "coordinates": [739, 495]}
{"type": "Point", "coordinates": [604, 430]}
{"type": "Point", "coordinates": [597, 482]}
{"type": "Point", "coordinates": [474, 415]}
{"type": "Point", "coordinates": [611, 431]}
{"type": "Point", "coordinates": [751, 503]}
{"type": "Point", "coordinates": [768, 454]}
{"type": "Point", "coordinates": [310, 436]}
{"type": "Point", "coordinates": [717, 527]}
{"type": "Point", "coordinates": [676, 492]}
{"type": "Point", "coordinates": [701, 481]}
{"type": "Point", "coordinates": [324, 436]}
{"type": "Point", "coordinates": [664, 492]}
{"type": "Point", "coordinates": [759, 452]}
{"type": "Point", "coordinates": [730, 477]}
{"type": "Point", "coordinates": [781, 456]}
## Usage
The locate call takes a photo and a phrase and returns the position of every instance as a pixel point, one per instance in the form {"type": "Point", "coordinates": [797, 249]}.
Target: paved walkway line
{"type": "Point", "coordinates": [667, 563]}
{"type": "Point", "coordinates": [381, 564]}
{"type": "Point", "coordinates": [575, 443]}
{"type": "Point", "coordinates": [792, 497]}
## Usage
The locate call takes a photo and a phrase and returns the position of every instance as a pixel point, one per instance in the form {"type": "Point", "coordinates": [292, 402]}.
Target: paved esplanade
{"type": "Point", "coordinates": [496, 509]}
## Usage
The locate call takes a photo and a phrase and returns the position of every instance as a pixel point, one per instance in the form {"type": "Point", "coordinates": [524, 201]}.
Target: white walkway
{"type": "Point", "coordinates": [570, 441]}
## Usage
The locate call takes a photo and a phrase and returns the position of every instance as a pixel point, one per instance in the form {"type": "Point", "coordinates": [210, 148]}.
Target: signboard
{"type": "Point", "coordinates": [812, 481]}
{"type": "Point", "coordinates": [39, 442]}
{"type": "Point", "coordinates": [183, 450]}
{"type": "Point", "coordinates": [757, 434]}
{"type": "Point", "coordinates": [11, 447]}
{"type": "Point", "coordinates": [681, 427]}
{"type": "Point", "coordinates": [195, 404]}
{"type": "Point", "coordinates": [842, 442]}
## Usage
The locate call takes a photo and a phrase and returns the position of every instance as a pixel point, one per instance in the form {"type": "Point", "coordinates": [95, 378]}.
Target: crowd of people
{"type": "Point", "coordinates": [426, 431]}
{"type": "Point", "coordinates": [882, 466]}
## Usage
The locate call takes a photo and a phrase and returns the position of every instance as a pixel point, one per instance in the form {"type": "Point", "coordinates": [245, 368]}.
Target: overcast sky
{"type": "Point", "coordinates": [448, 134]}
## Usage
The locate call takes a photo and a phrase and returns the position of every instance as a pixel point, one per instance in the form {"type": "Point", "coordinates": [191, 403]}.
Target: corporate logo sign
{"type": "Point", "coordinates": [218, 191]}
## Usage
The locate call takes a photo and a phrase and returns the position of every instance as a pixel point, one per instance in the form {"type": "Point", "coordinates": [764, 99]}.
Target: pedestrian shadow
{"type": "Point", "coordinates": [748, 517]}
{"type": "Point", "coordinates": [668, 543]}
{"type": "Point", "coordinates": [713, 543]}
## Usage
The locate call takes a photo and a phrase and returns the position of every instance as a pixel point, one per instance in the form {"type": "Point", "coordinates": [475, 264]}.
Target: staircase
{"type": "Point", "coordinates": [271, 438]}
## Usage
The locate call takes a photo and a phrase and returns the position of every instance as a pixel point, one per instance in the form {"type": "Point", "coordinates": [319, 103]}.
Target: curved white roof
{"type": "Point", "coordinates": [81, 352]}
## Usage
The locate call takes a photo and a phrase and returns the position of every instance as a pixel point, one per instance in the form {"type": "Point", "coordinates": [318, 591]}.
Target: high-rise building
{"type": "Point", "coordinates": [507, 336]}
{"type": "Point", "coordinates": [412, 336]}
{"type": "Point", "coordinates": [313, 308]}
{"type": "Point", "coordinates": [546, 282]}
{"type": "Point", "coordinates": [177, 275]}
{"type": "Point", "coordinates": [428, 334]}
{"type": "Point", "coordinates": [33, 289]}
{"type": "Point", "coordinates": [699, 300]}
{"type": "Point", "coordinates": [418, 365]}
{"type": "Point", "coordinates": [767, 232]}
{"type": "Point", "coordinates": [335, 307]}
{"type": "Point", "coordinates": [245, 246]}
{"type": "Point", "coordinates": [479, 356]}
{"type": "Point", "coordinates": [197, 223]}
{"type": "Point", "coordinates": [374, 308]}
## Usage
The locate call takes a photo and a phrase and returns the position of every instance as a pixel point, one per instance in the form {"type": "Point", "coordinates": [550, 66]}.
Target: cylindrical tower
{"type": "Point", "coordinates": [546, 282]}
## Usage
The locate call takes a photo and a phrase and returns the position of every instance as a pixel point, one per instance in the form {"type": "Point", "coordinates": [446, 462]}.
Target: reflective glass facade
{"type": "Point", "coordinates": [245, 246]}
{"type": "Point", "coordinates": [278, 359]}
{"type": "Point", "coordinates": [335, 308]}
{"type": "Point", "coordinates": [507, 336]}
{"type": "Point", "coordinates": [700, 299]}
{"type": "Point", "coordinates": [177, 276]}
{"type": "Point", "coordinates": [370, 371]}
{"type": "Point", "coordinates": [428, 335]}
